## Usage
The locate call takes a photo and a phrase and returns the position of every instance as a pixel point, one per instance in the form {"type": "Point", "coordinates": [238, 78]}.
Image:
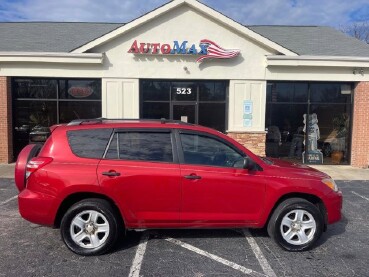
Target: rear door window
{"type": "Point", "coordinates": [89, 143]}
{"type": "Point", "coordinates": [141, 146]}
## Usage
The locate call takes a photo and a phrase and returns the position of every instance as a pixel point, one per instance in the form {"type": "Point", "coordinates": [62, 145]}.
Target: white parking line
{"type": "Point", "coordinates": [259, 255]}
{"type": "Point", "coordinates": [140, 252]}
{"type": "Point", "coordinates": [367, 199]}
{"type": "Point", "coordinates": [8, 200]}
{"type": "Point", "coordinates": [215, 258]}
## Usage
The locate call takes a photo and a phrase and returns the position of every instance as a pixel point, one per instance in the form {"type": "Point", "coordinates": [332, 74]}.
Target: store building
{"type": "Point", "coordinates": [189, 62]}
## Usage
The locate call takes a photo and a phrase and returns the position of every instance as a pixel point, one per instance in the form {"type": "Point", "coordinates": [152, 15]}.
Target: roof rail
{"type": "Point", "coordinates": [102, 119]}
{"type": "Point", "coordinates": [81, 121]}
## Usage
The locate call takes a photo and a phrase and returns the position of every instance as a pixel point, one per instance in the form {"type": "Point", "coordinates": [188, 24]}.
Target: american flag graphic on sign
{"type": "Point", "coordinates": [216, 52]}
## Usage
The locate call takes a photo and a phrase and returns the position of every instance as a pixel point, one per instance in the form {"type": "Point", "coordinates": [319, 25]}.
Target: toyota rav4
{"type": "Point", "coordinates": [97, 178]}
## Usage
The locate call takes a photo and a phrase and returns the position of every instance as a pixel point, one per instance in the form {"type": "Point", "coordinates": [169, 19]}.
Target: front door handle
{"type": "Point", "coordinates": [111, 173]}
{"type": "Point", "coordinates": [192, 177]}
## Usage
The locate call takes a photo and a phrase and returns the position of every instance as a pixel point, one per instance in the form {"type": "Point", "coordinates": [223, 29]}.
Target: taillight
{"type": "Point", "coordinates": [36, 163]}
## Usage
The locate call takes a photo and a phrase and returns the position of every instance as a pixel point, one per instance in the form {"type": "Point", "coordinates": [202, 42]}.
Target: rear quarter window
{"type": "Point", "coordinates": [89, 143]}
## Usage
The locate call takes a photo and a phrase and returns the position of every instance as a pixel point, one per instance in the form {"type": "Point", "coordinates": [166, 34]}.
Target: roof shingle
{"type": "Point", "coordinates": [50, 36]}
{"type": "Point", "coordinates": [67, 36]}
{"type": "Point", "coordinates": [314, 40]}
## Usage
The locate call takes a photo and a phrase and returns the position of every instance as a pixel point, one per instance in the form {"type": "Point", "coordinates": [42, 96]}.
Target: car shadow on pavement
{"type": "Point", "coordinates": [132, 238]}
{"type": "Point", "coordinates": [334, 230]}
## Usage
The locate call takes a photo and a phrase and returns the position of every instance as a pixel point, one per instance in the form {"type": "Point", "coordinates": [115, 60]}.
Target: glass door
{"type": "Point", "coordinates": [185, 112]}
{"type": "Point", "coordinates": [197, 101]}
{"type": "Point", "coordinates": [184, 97]}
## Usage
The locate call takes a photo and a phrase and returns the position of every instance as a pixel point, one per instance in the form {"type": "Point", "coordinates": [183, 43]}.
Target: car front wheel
{"type": "Point", "coordinates": [296, 224]}
{"type": "Point", "coordinates": [90, 227]}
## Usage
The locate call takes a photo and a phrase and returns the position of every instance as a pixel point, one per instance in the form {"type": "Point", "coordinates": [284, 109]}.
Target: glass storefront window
{"type": "Point", "coordinates": [34, 113]}
{"type": "Point", "coordinates": [328, 93]}
{"type": "Point", "coordinates": [329, 103]}
{"type": "Point", "coordinates": [35, 88]}
{"type": "Point", "coordinates": [213, 115]}
{"type": "Point", "coordinates": [70, 110]}
{"type": "Point", "coordinates": [287, 92]}
{"type": "Point", "coordinates": [155, 91]}
{"type": "Point", "coordinates": [31, 117]}
{"type": "Point", "coordinates": [334, 127]}
{"type": "Point", "coordinates": [39, 103]}
{"type": "Point", "coordinates": [284, 123]}
{"type": "Point", "coordinates": [80, 89]}
{"type": "Point", "coordinates": [212, 91]}
{"type": "Point", "coordinates": [155, 110]}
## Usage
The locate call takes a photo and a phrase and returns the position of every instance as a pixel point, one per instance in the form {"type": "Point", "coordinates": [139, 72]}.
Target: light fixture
{"type": "Point", "coordinates": [358, 71]}
{"type": "Point", "coordinates": [185, 68]}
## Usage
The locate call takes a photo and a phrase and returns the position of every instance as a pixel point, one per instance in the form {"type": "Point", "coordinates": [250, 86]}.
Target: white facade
{"type": "Point", "coordinates": [245, 72]}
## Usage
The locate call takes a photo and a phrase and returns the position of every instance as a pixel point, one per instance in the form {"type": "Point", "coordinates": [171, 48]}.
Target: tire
{"type": "Point", "coordinates": [296, 224]}
{"type": "Point", "coordinates": [90, 227]}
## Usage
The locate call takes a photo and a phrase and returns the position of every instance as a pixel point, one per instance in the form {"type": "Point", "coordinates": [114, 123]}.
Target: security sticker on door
{"type": "Point", "coordinates": [247, 113]}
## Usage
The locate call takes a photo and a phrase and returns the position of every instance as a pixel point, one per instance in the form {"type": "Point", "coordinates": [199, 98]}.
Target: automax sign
{"type": "Point", "coordinates": [205, 50]}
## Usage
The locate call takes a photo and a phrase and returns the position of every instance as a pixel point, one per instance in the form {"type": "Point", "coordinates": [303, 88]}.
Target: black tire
{"type": "Point", "coordinates": [105, 215]}
{"type": "Point", "coordinates": [287, 209]}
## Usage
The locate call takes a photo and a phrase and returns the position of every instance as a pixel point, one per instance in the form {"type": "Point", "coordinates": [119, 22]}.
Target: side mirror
{"type": "Point", "coordinates": [249, 164]}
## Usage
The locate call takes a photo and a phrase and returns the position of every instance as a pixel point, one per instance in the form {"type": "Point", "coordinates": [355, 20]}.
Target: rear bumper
{"type": "Point", "coordinates": [334, 207]}
{"type": "Point", "coordinates": [37, 207]}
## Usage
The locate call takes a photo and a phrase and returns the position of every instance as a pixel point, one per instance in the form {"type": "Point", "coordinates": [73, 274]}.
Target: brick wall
{"type": "Point", "coordinates": [6, 141]}
{"type": "Point", "coordinates": [252, 141]}
{"type": "Point", "coordinates": [360, 126]}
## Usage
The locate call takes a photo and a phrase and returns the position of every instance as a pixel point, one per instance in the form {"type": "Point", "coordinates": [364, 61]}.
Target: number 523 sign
{"type": "Point", "coordinates": [181, 91]}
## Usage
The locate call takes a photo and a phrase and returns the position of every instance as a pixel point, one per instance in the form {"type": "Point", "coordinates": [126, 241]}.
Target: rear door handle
{"type": "Point", "coordinates": [111, 173]}
{"type": "Point", "coordinates": [192, 177]}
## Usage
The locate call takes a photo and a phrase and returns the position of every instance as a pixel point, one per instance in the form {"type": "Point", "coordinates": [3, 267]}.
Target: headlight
{"type": "Point", "coordinates": [330, 183]}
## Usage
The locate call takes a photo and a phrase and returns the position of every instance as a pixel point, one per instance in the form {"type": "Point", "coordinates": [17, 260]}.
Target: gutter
{"type": "Point", "coordinates": [321, 61]}
{"type": "Point", "coordinates": [52, 57]}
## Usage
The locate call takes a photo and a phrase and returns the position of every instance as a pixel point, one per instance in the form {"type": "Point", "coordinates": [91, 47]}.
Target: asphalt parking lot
{"type": "Point", "coordinates": [27, 249]}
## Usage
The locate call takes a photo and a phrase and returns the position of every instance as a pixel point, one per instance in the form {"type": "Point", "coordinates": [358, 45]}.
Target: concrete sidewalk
{"type": "Point", "coordinates": [343, 172]}
{"type": "Point", "coordinates": [337, 172]}
{"type": "Point", "coordinates": [7, 170]}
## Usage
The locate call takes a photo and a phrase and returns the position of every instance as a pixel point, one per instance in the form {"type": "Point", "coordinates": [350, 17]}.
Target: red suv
{"type": "Point", "coordinates": [96, 178]}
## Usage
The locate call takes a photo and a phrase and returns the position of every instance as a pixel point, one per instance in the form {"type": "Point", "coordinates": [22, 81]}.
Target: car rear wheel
{"type": "Point", "coordinates": [296, 224]}
{"type": "Point", "coordinates": [90, 227]}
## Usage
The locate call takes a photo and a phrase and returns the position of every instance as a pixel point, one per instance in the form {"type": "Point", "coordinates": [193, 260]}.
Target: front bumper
{"type": "Point", "coordinates": [37, 207]}
{"type": "Point", "coordinates": [333, 205]}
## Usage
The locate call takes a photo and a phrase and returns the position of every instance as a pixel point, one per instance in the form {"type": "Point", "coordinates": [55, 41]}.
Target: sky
{"type": "Point", "coordinates": [335, 13]}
